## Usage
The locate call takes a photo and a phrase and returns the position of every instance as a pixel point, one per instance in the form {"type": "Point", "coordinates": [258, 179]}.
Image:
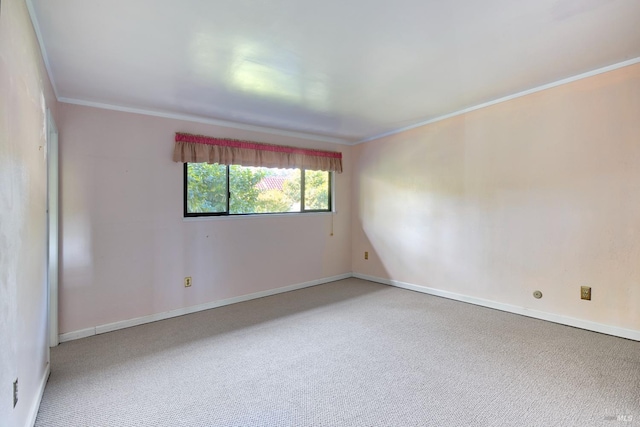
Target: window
{"type": "Point", "coordinates": [214, 189]}
{"type": "Point", "coordinates": [233, 177]}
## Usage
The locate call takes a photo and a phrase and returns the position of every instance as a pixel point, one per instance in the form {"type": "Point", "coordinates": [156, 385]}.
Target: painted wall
{"type": "Point", "coordinates": [541, 192]}
{"type": "Point", "coordinates": [126, 247]}
{"type": "Point", "coordinates": [24, 90]}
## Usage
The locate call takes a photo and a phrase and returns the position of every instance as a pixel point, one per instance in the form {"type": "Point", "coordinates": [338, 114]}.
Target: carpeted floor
{"type": "Point", "coordinates": [348, 353]}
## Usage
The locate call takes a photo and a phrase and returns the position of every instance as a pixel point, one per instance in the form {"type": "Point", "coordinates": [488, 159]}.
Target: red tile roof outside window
{"type": "Point", "coordinates": [272, 183]}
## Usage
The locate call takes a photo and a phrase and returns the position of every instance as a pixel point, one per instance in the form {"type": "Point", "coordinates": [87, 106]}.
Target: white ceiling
{"type": "Point", "coordinates": [338, 69]}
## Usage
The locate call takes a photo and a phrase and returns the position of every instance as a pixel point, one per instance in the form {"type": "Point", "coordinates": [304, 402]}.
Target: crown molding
{"type": "Point", "coordinates": [43, 51]}
{"type": "Point", "coordinates": [205, 120]}
{"type": "Point", "coordinates": [165, 114]}
{"type": "Point", "coordinates": [295, 134]}
{"type": "Point", "coordinates": [504, 99]}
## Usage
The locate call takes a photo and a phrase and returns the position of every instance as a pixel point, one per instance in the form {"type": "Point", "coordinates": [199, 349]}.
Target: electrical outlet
{"type": "Point", "coordinates": [15, 393]}
{"type": "Point", "coordinates": [187, 282]}
{"type": "Point", "coordinates": [585, 292]}
{"type": "Point", "coordinates": [366, 255]}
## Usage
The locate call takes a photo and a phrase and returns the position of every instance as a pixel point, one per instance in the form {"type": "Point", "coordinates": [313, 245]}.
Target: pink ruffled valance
{"type": "Point", "coordinates": [204, 149]}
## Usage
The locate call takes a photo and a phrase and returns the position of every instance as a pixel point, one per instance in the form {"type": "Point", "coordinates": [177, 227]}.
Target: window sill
{"type": "Point", "coordinates": [254, 216]}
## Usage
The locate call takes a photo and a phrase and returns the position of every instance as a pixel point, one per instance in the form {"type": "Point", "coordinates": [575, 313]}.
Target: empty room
{"type": "Point", "coordinates": [296, 213]}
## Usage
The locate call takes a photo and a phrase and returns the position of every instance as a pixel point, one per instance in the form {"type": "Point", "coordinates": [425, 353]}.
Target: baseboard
{"type": "Point", "coordinates": [550, 317]}
{"type": "Point", "coordinates": [83, 333]}
{"type": "Point", "coordinates": [33, 411]}
{"type": "Point", "coordinates": [76, 335]}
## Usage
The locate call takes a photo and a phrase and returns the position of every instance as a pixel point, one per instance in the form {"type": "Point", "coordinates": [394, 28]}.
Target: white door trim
{"type": "Point", "coordinates": [52, 227]}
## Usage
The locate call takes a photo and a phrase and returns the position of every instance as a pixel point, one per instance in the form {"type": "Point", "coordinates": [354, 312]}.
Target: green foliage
{"type": "Point", "coordinates": [273, 201]}
{"type": "Point", "coordinates": [291, 189]}
{"type": "Point", "coordinates": [244, 194]}
{"type": "Point", "coordinates": [207, 190]}
{"type": "Point", "coordinates": [316, 185]}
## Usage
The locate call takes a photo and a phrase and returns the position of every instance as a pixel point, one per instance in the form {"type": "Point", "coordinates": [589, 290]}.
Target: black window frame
{"type": "Point", "coordinates": [187, 214]}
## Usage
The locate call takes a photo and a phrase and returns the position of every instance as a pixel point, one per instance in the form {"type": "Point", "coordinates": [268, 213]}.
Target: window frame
{"type": "Point", "coordinates": [226, 213]}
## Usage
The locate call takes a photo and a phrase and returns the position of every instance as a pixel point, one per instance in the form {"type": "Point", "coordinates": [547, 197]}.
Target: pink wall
{"type": "Point", "coordinates": [24, 91]}
{"type": "Point", "coordinates": [126, 247]}
{"type": "Point", "coordinates": [535, 193]}
{"type": "Point", "coordinates": [541, 192]}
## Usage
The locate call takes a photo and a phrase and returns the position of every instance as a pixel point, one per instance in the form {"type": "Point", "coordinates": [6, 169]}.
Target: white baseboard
{"type": "Point", "coordinates": [551, 317]}
{"type": "Point", "coordinates": [83, 333]}
{"type": "Point", "coordinates": [33, 411]}
{"type": "Point", "coordinates": [76, 335]}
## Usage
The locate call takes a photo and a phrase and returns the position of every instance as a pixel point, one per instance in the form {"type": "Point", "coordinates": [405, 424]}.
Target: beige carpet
{"type": "Point", "coordinates": [348, 353]}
